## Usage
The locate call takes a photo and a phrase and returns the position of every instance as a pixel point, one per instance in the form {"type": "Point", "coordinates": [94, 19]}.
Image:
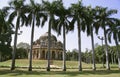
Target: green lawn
{"type": "Point", "coordinates": [24, 73]}
{"type": "Point", "coordinates": [43, 64]}
{"type": "Point", "coordinates": [39, 69]}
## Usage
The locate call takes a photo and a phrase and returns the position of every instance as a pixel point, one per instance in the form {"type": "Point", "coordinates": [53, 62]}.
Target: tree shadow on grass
{"type": "Point", "coordinates": [52, 73]}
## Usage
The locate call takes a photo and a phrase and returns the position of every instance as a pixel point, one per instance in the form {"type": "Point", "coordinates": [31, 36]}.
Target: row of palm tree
{"type": "Point", "coordinates": [88, 20]}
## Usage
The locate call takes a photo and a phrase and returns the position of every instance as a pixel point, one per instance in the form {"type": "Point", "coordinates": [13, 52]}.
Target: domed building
{"type": "Point", "coordinates": [40, 48]}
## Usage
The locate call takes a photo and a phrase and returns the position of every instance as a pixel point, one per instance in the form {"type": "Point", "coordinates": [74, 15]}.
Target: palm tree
{"type": "Point", "coordinates": [50, 10]}
{"type": "Point", "coordinates": [62, 22]}
{"type": "Point", "coordinates": [90, 25]}
{"type": "Point", "coordinates": [78, 15]}
{"type": "Point", "coordinates": [114, 30]}
{"type": "Point", "coordinates": [17, 7]}
{"type": "Point", "coordinates": [34, 15]}
{"type": "Point", "coordinates": [104, 19]}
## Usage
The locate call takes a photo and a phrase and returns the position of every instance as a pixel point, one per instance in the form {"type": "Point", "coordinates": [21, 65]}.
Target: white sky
{"type": "Point", "coordinates": [71, 38]}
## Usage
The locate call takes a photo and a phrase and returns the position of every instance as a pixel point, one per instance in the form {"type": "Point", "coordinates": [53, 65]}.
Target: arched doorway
{"type": "Point", "coordinates": [53, 55]}
{"type": "Point", "coordinates": [43, 54]}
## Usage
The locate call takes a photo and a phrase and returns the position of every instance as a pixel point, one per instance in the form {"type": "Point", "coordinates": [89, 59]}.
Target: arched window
{"type": "Point", "coordinates": [42, 42]}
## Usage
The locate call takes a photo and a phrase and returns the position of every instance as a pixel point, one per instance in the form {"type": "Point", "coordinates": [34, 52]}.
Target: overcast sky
{"type": "Point", "coordinates": [71, 38]}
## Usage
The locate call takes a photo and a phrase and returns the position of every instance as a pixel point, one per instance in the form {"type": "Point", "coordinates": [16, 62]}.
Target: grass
{"type": "Point", "coordinates": [24, 73]}
{"type": "Point", "coordinates": [43, 64]}
{"type": "Point", "coordinates": [39, 69]}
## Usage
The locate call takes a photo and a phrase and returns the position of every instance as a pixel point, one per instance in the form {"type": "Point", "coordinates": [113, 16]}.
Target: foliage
{"type": "Point", "coordinates": [99, 55]}
{"type": "Point", "coordinates": [23, 45]}
{"type": "Point", "coordinates": [72, 55]}
{"type": "Point", "coordinates": [21, 53]}
{"type": "Point", "coordinates": [5, 45]}
{"type": "Point", "coordinates": [5, 52]}
{"type": "Point", "coordinates": [3, 26]}
{"type": "Point", "coordinates": [113, 54]}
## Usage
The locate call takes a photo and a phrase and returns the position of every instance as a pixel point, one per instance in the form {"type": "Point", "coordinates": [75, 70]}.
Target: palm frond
{"type": "Point", "coordinates": [44, 20]}
{"type": "Point", "coordinates": [29, 19]}
{"type": "Point", "coordinates": [110, 12]}
{"type": "Point", "coordinates": [109, 36]}
{"type": "Point", "coordinates": [23, 19]}
{"type": "Point", "coordinates": [12, 16]}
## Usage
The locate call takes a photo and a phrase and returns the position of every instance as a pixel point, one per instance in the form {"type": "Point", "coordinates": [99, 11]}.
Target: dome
{"type": "Point", "coordinates": [45, 37]}
{"type": "Point", "coordinates": [43, 42]}
{"type": "Point", "coordinates": [59, 44]}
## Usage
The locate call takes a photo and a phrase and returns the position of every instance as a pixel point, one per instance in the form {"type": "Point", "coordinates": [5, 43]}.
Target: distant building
{"type": "Point", "coordinates": [40, 48]}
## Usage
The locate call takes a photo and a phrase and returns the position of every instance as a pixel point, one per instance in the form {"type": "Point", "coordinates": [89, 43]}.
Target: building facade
{"type": "Point", "coordinates": [40, 48]}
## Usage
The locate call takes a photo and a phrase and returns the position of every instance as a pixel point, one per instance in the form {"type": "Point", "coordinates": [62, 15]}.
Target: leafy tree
{"type": "Point", "coordinates": [99, 54]}
{"type": "Point", "coordinates": [5, 36]}
{"type": "Point", "coordinates": [5, 44]}
{"type": "Point", "coordinates": [113, 54]}
{"type": "Point", "coordinates": [22, 50]}
{"type": "Point", "coordinates": [21, 53]}
{"type": "Point", "coordinates": [88, 56]}
{"type": "Point", "coordinates": [68, 55]}
{"type": "Point", "coordinates": [74, 55]}
{"type": "Point", "coordinates": [3, 25]}
{"type": "Point", "coordinates": [23, 45]}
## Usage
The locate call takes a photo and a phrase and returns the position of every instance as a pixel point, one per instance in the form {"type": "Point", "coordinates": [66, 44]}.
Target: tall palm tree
{"type": "Point", "coordinates": [50, 10]}
{"type": "Point", "coordinates": [104, 19]}
{"type": "Point", "coordinates": [114, 30]}
{"type": "Point", "coordinates": [62, 22]}
{"type": "Point", "coordinates": [17, 7]}
{"type": "Point", "coordinates": [78, 14]}
{"type": "Point", "coordinates": [35, 13]}
{"type": "Point", "coordinates": [90, 26]}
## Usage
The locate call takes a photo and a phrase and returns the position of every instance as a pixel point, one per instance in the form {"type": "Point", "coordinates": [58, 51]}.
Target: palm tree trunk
{"type": "Point", "coordinates": [15, 42]}
{"type": "Point", "coordinates": [0, 57]}
{"type": "Point", "coordinates": [118, 53]}
{"type": "Point", "coordinates": [93, 51]}
{"type": "Point", "coordinates": [79, 46]}
{"type": "Point", "coordinates": [106, 50]}
{"type": "Point", "coordinates": [64, 49]}
{"type": "Point", "coordinates": [49, 43]}
{"type": "Point", "coordinates": [32, 36]}
{"type": "Point", "coordinates": [103, 53]}
{"type": "Point", "coordinates": [112, 58]}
